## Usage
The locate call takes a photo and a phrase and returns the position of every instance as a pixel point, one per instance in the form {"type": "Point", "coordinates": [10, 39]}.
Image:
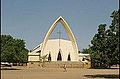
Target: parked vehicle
{"type": "Point", "coordinates": [6, 64]}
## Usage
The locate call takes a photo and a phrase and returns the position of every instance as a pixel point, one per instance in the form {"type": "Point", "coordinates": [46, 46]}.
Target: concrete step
{"type": "Point", "coordinates": [60, 64]}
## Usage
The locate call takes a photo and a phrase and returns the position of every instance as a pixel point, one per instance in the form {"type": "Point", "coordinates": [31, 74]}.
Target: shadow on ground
{"type": "Point", "coordinates": [102, 76]}
{"type": "Point", "coordinates": [9, 69]}
{"type": "Point", "coordinates": [105, 68]}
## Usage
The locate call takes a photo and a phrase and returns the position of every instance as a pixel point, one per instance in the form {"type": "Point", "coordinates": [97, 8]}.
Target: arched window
{"type": "Point", "coordinates": [59, 58]}
{"type": "Point", "coordinates": [69, 59]}
{"type": "Point", "coordinates": [49, 57]}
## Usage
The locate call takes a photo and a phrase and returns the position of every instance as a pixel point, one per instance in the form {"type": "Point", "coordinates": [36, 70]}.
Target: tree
{"type": "Point", "coordinates": [113, 39]}
{"type": "Point", "coordinates": [13, 50]}
{"type": "Point", "coordinates": [99, 47]}
{"type": "Point", "coordinates": [104, 50]}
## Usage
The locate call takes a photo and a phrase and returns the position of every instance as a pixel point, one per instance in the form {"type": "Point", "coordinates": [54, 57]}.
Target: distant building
{"type": "Point", "coordinates": [83, 57]}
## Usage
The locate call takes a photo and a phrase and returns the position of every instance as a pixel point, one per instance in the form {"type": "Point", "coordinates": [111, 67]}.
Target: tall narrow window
{"type": "Point", "coordinates": [69, 59]}
{"type": "Point", "coordinates": [49, 57]}
{"type": "Point", "coordinates": [59, 58]}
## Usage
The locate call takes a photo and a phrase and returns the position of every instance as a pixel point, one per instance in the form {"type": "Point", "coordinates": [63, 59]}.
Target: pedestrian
{"type": "Point", "coordinates": [65, 68]}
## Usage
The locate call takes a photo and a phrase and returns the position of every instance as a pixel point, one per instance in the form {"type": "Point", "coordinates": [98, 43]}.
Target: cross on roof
{"type": "Point", "coordinates": [59, 34]}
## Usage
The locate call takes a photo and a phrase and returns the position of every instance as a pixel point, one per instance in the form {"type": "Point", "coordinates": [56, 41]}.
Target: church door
{"type": "Point", "coordinates": [69, 59]}
{"type": "Point", "coordinates": [59, 58]}
{"type": "Point", "coordinates": [49, 57]}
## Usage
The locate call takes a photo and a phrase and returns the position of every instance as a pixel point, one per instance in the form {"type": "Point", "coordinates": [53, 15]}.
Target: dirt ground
{"type": "Point", "coordinates": [58, 73]}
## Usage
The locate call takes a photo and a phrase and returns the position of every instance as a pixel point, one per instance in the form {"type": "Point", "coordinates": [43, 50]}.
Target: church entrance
{"type": "Point", "coordinates": [59, 58]}
{"type": "Point", "coordinates": [49, 57]}
{"type": "Point", "coordinates": [69, 58]}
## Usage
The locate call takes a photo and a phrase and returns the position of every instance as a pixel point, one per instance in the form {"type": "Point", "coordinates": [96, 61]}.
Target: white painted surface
{"type": "Point", "coordinates": [52, 47]}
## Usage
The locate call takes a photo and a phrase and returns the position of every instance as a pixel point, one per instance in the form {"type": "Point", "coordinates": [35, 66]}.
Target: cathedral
{"type": "Point", "coordinates": [56, 50]}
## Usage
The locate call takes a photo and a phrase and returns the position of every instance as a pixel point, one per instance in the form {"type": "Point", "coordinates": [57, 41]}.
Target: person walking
{"type": "Point", "coordinates": [65, 68]}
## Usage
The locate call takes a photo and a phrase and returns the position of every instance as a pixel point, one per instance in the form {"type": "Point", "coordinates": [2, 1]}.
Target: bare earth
{"type": "Point", "coordinates": [58, 73]}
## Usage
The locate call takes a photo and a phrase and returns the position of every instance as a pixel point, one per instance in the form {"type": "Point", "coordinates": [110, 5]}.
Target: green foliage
{"type": "Point", "coordinates": [113, 39]}
{"type": "Point", "coordinates": [99, 47]}
{"type": "Point", "coordinates": [13, 50]}
{"type": "Point", "coordinates": [104, 50]}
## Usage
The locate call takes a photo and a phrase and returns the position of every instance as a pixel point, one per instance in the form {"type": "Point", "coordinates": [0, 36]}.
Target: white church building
{"type": "Point", "coordinates": [56, 49]}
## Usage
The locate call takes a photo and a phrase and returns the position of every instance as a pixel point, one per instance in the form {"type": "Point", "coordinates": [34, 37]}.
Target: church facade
{"type": "Point", "coordinates": [56, 49]}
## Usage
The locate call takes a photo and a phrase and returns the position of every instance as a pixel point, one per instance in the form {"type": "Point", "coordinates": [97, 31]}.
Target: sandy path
{"type": "Point", "coordinates": [57, 73]}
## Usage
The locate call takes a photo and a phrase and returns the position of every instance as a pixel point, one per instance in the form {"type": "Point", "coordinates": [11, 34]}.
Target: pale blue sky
{"type": "Point", "coordinates": [31, 19]}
